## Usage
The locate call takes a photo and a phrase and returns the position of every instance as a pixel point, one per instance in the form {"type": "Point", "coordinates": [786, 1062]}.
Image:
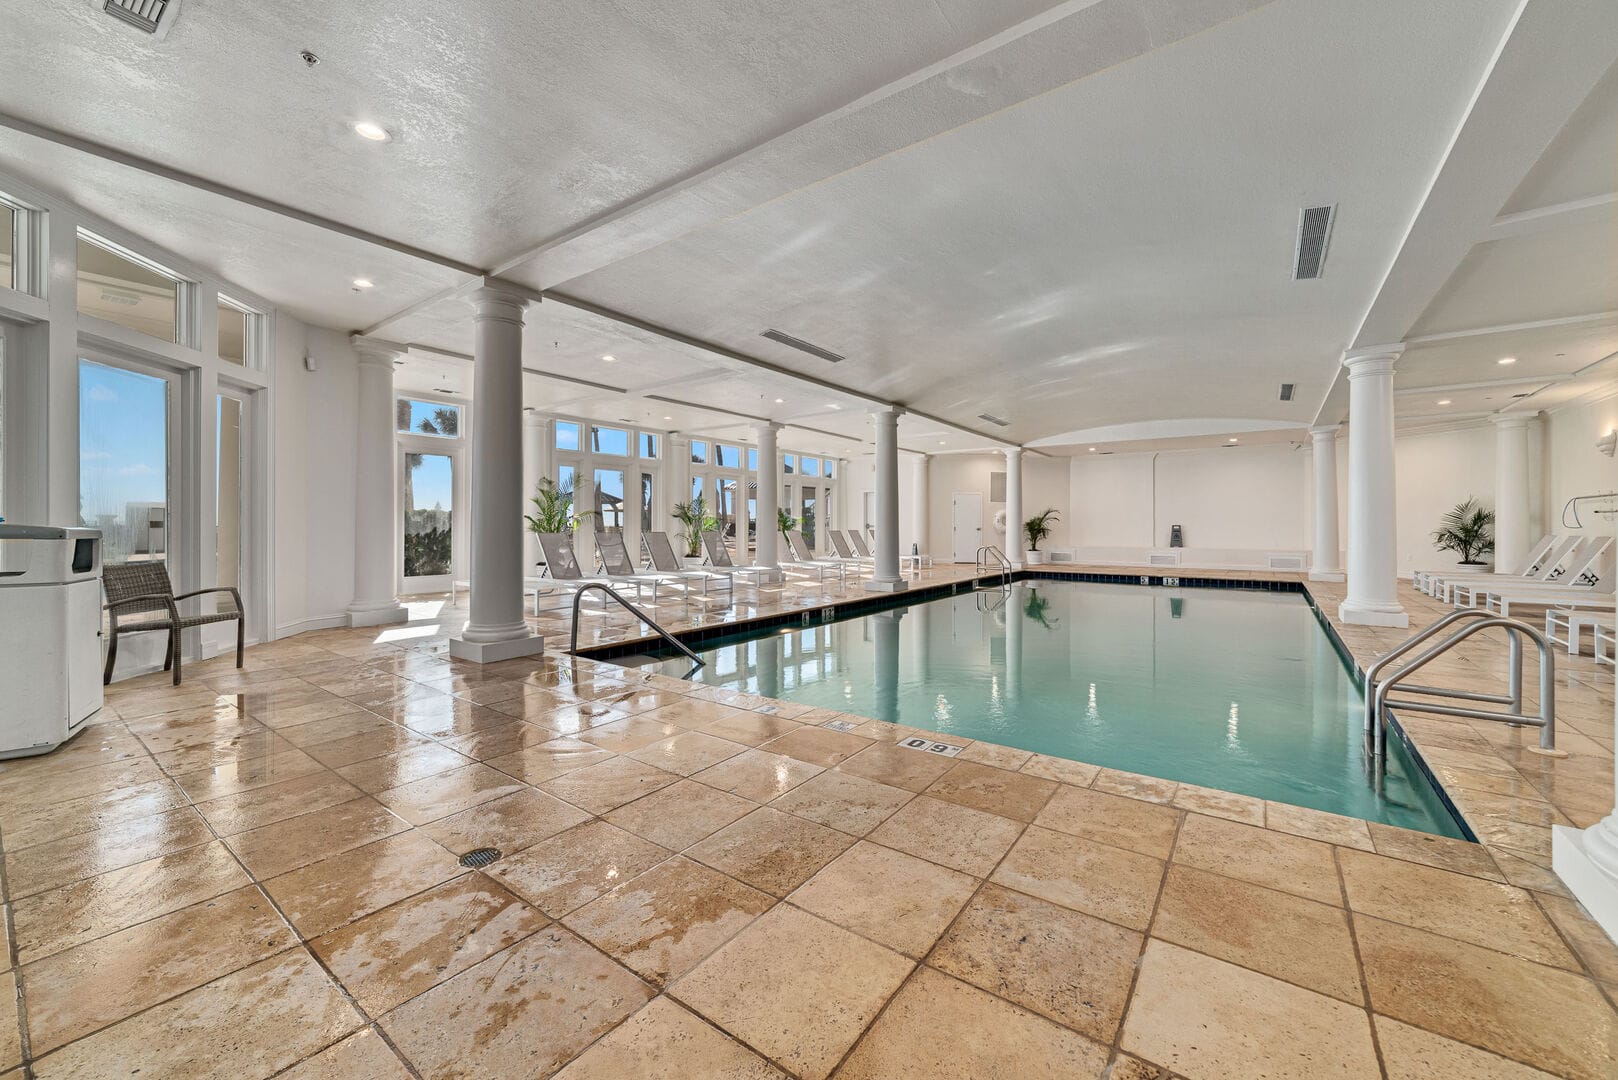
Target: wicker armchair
{"type": "Point", "coordinates": [140, 597]}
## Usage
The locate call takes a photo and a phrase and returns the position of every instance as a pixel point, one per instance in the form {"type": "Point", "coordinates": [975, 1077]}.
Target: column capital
{"type": "Point", "coordinates": [1013, 453]}
{"type": "Point", "coordinates": [534, 418]}
{"type": "Point", "coordinates": [888, 414]}
{"type": "Point", "coordinates": [376, 351]}
{"type": "Point", "coordinates": [1377, 360]}
{"type": "Point", "coordinates": [1512, 420]}
{"type": "Point", "coordinates": [1323, 434]}
{"type": "Point", "coordinates": [496, 300]}
{"type": "Point", "coordinates": [771, 426]}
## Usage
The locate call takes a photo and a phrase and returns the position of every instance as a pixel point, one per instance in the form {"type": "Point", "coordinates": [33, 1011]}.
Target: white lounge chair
{"type": "Point", "coordinates": [719, 556]}
{"type": "Point", "coordinates": [1427, 581]}
{"type": "Point", "coordinates": [667, 563]}
{"type": "Point", "coordinates": [799, 547]}
{"type": "Point", "coordinates": [1585, 573]}
{"type": "Point", "coordinates": [1566, 551]}
{"type": "Point", "coordinates": [1565, 626]}
{"type": "Point", "coordinates": [1603, 646]}
{"type": "Point", "coordinates": [845, 554]}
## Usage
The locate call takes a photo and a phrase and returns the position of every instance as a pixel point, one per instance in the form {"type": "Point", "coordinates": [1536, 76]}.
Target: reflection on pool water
{"type": "Point", "coordinates": [1234, 689]}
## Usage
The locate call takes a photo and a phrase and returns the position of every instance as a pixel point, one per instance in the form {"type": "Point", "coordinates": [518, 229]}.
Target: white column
{"type": "Point", "coordinates": [376, 491]}
{"type": "Point", "coordinates": [920, 508]}
{"type": "Point", "coordinates": [1587, 860]}
{"type": "Point", "coordinates": [1326, 565]}
{"type": "Point", "coordinates": [1373, 583]}
{"type": "Point", "coordinates": [496, 629]}
{"type": "Point", "coordinates": [886, 576]}
{"type": "Point", "coordinates": [536, 466]}
{"type": "Point", "coordinates": [677, 478]}
{"type": "Point", "coordinates": [1511, 509]}
{"type": "Point", "coordinates": [769, 496]}
{"type": "Point", "coordinates": [1014, 506]}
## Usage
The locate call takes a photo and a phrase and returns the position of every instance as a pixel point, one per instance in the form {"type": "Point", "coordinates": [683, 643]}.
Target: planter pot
{"type": "Point", "coordinates": [1473, 568]}
{"type": "Point", "coordinates": [1034, 558]}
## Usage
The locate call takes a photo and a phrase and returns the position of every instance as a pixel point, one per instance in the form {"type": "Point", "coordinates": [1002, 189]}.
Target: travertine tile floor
{"type": "Point", "coordinates": [256, 875]}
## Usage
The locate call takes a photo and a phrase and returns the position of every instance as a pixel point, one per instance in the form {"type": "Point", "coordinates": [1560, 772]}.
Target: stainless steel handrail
{"type": "Point", "coordinates": [578, 598]}
{"type": "Point", "coordinates": [1416, 639]}
{"type": "Point", "coordinates": [987, 551]}
{"type": "Point", "coordinates": [1378, 701]}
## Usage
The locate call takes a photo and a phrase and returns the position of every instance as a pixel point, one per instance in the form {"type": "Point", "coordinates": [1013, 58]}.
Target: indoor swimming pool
{"type": "Point", "coordinates": [1235, 689]}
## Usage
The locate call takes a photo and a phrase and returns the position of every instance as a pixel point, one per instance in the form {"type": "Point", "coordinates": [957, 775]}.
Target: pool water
{"type": "Point", "coordinates": [1235, 689]}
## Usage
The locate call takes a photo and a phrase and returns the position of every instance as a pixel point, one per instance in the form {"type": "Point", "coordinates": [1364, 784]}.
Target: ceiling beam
{"type": "Point", "coordinates": [1485, 384]}
{"type": "Point", "coordinates": [1565, 215]}
{"type": "Point", "coordinates": [1592, 319]}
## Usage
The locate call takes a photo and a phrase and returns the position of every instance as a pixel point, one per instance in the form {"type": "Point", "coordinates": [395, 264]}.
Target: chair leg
{"type": "Point", "coordinates": [175, 639]}
{"type": "Point", "coordinates": [168, 652]}
{"type": "Point", "coordinates": [112, 655]}
{"type": "Point", "coordinates": [241, 638]}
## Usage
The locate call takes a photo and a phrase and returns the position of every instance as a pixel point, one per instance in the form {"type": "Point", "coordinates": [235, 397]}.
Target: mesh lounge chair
{"type": "Point", "coordinates": [667, 563]}
{"type": "Point", "coordinates": [563, 566]}
{"type": "Point", "coordinates": [615, 558]}
{"type": "Point", "coordinates": [845, 554]}
{"type": "Point", "coordinates": [800, 551]}
{"type": "Point", "coordinates": [719, 556]}
{"type": "Point", "coordinates": [140, 597]}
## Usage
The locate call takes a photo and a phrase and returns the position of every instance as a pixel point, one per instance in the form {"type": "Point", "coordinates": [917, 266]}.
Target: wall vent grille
{"type": "Point", "coordinates": [803, 346]}
{"type": "Point", "coordinates": [1287, 390]}
{"type": "Point", "coordinates": [144, 15]}
{"type": "Point", "coordinates": [1314, 230]}
{"type": "Point", "coordinates": [1286, 562]}
{"type": "Point", "coordinates": [1163, 558]}
{"type": "Point", "coordinates": [997, 421]}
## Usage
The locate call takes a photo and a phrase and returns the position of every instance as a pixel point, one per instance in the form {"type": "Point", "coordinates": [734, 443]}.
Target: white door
{"type": "Point", "coordinates": [966, 516]}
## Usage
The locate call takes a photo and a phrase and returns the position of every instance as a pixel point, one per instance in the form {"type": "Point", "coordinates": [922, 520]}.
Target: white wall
{"type": "Point", "coordinates": [1434, 473]}
{"type": "Point", "coordinates": [1576, 467]}
{"type": "Point", "coordinates": [314, 477]}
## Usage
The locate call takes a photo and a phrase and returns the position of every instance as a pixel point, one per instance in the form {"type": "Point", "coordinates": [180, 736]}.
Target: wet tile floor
{"type": "Point", "coordinates": [256, 875]}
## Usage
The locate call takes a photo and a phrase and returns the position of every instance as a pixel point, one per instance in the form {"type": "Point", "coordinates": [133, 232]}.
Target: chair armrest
{"type": "Point", "coordinates": [235, 595]}
{"type": "Point", "coordinates": [164, 598]}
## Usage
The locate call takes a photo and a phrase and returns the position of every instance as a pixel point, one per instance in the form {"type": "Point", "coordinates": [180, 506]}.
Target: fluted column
{"type": "Point", "coordinates": [1014, 506]}
{"type": "Point", "coordinates": [886, 576]}
{"type": "Point", "coordinates": [1511, 537]}
{"type": "Point", "coordinates": [496, 629]}
{"type": "Point", "coordinates": [768, 539]}
{"type": "Point", "coordinates": [376, 491]}
{"type": "Point", "coordinates": [920, 508]}
{"type": "Point", "coordinates": [536, 466]}
{"type": "Point", "coordinates": [1326, 565]}
{"type": "Point", "coordinates": [1373, 583]}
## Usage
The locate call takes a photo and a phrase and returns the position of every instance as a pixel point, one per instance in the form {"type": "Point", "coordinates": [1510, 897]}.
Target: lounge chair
{"type": "Point", "coordinates": [845, 553]}
{"type": "Point", "coordinates": [562, 565]}
{"type": "Point", "coordinates": [1587, 573]}
{"type": "Point", "coordinates": [1544, 555]}
{"type": "Point", "coordinates": [799, 547]}
{"type": "Point", "coordinates": [1565, 626]}
{"type": "Point", "coordinates": [620, 567]}
{"type": "Point", "coordinates": [667, 563]}
{"type": "Point", "coordinates": [719, 556]}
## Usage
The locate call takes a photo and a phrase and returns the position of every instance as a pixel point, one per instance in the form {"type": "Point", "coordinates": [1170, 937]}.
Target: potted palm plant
{"type": "Point", "coordinates": [694, 520]}
{"type": "Point", "coordinates": [784, 522]}
{"type": "Point", "coordinates": [555, 510]}
{"type": "Point", "coordinates": [1467, 530]}
{"type": "Point", "coordinates": [1034, 530]}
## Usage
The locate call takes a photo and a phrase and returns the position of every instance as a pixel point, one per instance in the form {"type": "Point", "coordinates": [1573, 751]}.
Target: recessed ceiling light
{"type": "Point", "coordinates": [780, 401]}
{"type": "Point", "coordinates": [366, 129]}
{"type": "Point", "coordinates": [363, 283]}
{"type": "Point", "coordinates": [940, 442]}
{"type": "Point", "coordinates": [1507, 360]}
{"type": "Point", "coordinates": [837, 406]}
{"type": "Point", "coordinates": [609, 359]}
{"type": "Point", "coordinates": [1233, 440]}
{"type": "Point", "coordinates": [668, 418]}
{"type": "Point", "coordinates": [1443, 401]}
{"type": "Point", "coordinates": [1092, 449]}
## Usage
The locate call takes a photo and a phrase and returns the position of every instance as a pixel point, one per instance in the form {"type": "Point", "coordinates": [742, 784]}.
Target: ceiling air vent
{"type": "Point", "coordinates": [803, 346]}
{"type": "Point", "coordinates": [1286, 390]}
{"type": "Point", "coordinates": [994, 419]}
{"type": "Point", "coordinates": [1314, 229]}
{"type": "Point", "coordinates": [148, 16]}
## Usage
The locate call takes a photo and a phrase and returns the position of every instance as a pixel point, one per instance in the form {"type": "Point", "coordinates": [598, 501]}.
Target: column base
{"type": "Point", "coordinates": [1327, 575]}
{"type": "Point", "coordinates": [1364, 613]}
{"type": "Point", "coordinates": [491, 652]}
{"type": "Point", "coordinates": [385, 613]}
{"type": "Point", "coordinates": [1575, 858]}
{"type": "Point", "coordinates": [884, 586]}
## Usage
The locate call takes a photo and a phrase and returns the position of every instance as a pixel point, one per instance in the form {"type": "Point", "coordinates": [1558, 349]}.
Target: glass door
{"type": "Point", "coordinates": [428, 533]}
{"type": "Point", "coordinates": [808, 508]}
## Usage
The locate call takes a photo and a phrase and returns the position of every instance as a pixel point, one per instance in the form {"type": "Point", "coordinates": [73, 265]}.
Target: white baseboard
{"type": "Point", "coordinates": [314, 622]}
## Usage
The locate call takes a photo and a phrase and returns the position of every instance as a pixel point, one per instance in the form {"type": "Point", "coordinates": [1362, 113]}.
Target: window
{"type": "Point", "coordinates": [648, 445]}
{"type": "Point", "coordinates": [806, 520]}
{"type": "Point", "coordinates": [567, 435]}
{"type": "Point", "coordinates": [789, 462]}
{"type": "Point", "coordinates": [725, 512]}
{"type": "Point", "coordinates": [238, 330]}
{"type": "Point", "coordinates": [752, 459]}
{"type": "Point", "coordinates": [8, 246]}
{"type": "Point", "coordinates": [429, 504]}
{"type": "Point", "coordinates": [811, 466]}
{"type": "Point", "coordinates": [566, 478]}
{"type": "Point", "coordinates": [128, 291]}
{"type": "Point", "coordinates": [228, 458]}
{"type": "Point", "coordinates": [124, 461]}
{"type": "Point", "coordinates": [727, 457]}
{"type": "Point", "coordinates": [609, 500]}
{"type": "Point", "coordinates": [429, 418]}
{"type": "Point", "coordinates": [607, 440]}
{"type": "Point", "coordinates": [645, 503]}
{"type": "Point", "coordinates": [699, 452]}
{"type": "Point", "coordinates": [830, 465]}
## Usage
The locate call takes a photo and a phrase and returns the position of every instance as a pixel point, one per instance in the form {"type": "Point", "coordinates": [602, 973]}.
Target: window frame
{"type": "Point", "coordinates": [185, 292]}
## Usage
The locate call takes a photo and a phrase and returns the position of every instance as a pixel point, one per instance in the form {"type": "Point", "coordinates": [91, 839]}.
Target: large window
{"type": "Point", "coordinates": [124, 460]}
{"type": "Point", "coordinates": [607, 440]}
{"type": "Point", "coordinates": [648, 445]}
{"type": "Point", "coordinates": [429, 418]}
{"type": "Point", "coordinates": [727, 457]}
{"type": "Point", "coordinates": [567, 435]}
{"type": "Point", "coordinates": [699, 452]}
{"type": "Point", "coordinates": [228, 459]}
{"type": "Point", "coordinates": [129, 291]}
{"type": "Point", "coordinates": [8, 246]}
{"type": "Point", "coordinates": [238, 333]}
{"type": "Point", "coordinates": [609, 500]}
{"type": "Point", "coordinates": [429, 504]}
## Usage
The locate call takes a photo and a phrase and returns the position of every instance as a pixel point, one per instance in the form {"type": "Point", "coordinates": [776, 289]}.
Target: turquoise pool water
{"type": "Point", "coordinates": [1233, 689]}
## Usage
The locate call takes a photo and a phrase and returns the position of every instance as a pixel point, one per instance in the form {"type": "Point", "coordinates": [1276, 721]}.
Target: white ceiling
{"type": "Point", "coordinates": [1077, 216]}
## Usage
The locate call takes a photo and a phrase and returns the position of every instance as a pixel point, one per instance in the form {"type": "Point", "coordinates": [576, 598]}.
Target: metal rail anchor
{"type": "Point", "coordinates": [578, 598]}
{"type": "Point", "coordinates": [1545, 721]}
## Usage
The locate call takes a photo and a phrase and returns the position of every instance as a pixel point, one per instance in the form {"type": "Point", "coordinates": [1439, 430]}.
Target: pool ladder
{"type": "Point", "coordinates": [1378, 686]}
{"type": "Point", "coordinates": [596, 586]}
{"type": "Point", "coordinates": [989, 555]}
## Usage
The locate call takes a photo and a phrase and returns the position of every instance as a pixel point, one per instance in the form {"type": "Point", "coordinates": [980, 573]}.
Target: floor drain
{"type": "Point", "coordinates": [483, 856]}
